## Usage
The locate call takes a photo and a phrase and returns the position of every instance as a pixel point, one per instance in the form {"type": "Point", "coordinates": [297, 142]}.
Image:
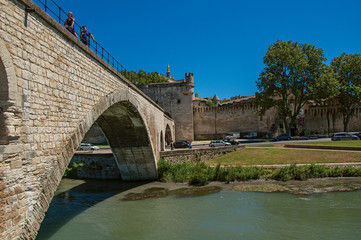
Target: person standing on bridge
{"type": "Point", "coordinates": [85, 36]}
{"type": "Point", "coordinates": [69, 24]}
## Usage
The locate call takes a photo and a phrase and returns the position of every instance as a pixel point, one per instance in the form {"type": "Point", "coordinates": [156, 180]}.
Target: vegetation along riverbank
{"type": "Point", "coordinates": [199, 173]}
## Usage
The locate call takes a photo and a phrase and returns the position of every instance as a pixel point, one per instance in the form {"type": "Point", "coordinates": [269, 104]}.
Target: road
{"type": "Point", "coordinates": [205, 144]}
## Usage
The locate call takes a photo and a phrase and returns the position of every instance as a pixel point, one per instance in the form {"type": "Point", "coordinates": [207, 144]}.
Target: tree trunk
{"type": "Point", "coordinates": [287, 127]}
{"type": "Point", "coordinates": [346, 120]}
{"type": "Point", "coordinates": [328, 121]}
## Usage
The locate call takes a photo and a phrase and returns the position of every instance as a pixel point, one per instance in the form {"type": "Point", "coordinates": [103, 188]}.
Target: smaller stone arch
{"type": "Point", "coordinates": [168, 135]}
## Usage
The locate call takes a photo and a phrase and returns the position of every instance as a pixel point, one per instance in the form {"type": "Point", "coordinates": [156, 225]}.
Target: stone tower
{"type": "Point", "coordinates": [176, 98]}
{"type": "Point", "coordinates": [168, 71]}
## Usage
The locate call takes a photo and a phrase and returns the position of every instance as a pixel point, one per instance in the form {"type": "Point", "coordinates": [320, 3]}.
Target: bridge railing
{"type": "Point", "coordinates": [56, 12]}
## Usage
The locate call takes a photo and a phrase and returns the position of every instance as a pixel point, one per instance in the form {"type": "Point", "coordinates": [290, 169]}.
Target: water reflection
{"type": "Point", "coordinates": [74, 197]}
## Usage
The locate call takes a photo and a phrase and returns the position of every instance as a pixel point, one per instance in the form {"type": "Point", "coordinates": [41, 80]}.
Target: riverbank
{"type": "Point", "coordinates": [310, 186]}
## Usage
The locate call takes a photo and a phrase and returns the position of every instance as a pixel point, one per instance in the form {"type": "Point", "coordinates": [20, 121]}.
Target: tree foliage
{"type": "Point", "coordinates": [347, 70]}
{"type": "Point", "coordinates": [294, 74]}
{"type": "Point", "coordinates": [142, 77]}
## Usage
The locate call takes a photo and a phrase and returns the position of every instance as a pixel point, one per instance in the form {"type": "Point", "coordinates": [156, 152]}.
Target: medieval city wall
{"type": "Point", "coordinates": [217, 122]}
{"type": "Point", "coordinates": [315, 121]}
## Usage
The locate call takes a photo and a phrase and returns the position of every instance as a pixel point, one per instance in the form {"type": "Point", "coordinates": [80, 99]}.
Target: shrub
{"type": "Point", "coordinates": [72, 170]}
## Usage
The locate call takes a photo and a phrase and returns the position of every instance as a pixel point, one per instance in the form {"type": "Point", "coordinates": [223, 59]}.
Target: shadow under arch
{"type": "Point", "coordinates": [128, 138]}
{"type": "Point", "coordinates": [4, 91]}
{"type": "Point", "coordinates": [168, 135]}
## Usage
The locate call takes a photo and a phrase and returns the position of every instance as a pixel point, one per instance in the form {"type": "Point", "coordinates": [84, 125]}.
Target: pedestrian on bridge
{"type": "Point", "coordinates": [85, 36]}
{"type": "Point", "coordinates": [69, 24]}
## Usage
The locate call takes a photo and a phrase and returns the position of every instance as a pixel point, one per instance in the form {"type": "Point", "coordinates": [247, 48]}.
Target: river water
{"type": "Point", "coordinates": [95, 210]}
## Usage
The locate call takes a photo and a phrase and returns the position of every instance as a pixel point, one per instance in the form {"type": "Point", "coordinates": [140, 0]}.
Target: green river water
{"type": "Point", "coordinates": [96, 210]}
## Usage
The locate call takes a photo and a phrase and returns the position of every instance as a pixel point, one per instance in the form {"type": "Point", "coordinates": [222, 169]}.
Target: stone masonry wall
{"type": "Point", "coordinates": [176, 99]}
{"type": "Point", "coordinates": [57, 88]}
{"type": "Point", "coordinates": [316, 120]}
{"type": "Point", "coordinates": [197, 155]}
{"type": "Point", "coordinates": [216, 123]}
{"type": "Point", "coordinates": [96, 166]}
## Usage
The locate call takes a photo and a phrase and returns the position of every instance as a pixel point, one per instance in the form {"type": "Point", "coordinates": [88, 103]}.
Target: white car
{"type": "Point", "coordinates": [87, 146]}
{"type": "Point", "coordinates": [218, 143]}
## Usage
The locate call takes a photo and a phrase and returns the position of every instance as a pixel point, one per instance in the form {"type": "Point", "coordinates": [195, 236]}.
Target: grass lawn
{"type": "Point", "coordinates": [261, 145]}
{"type": "Point", "coordinates": [356, 143]}
{"type": "Point", "coordinates": [269, 156]}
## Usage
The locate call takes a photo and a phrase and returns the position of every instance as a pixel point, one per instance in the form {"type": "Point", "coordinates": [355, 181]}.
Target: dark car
{"type": "Point", "coordinates": [183, 144]}
{"type": "Point", "coordinates": [342, 136]}
{"type": "Point", "coordinates": [231, 141]}
{"type": "Point", "coordinates": [282, 137]}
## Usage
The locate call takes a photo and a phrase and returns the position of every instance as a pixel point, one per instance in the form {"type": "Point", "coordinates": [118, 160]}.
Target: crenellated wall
{"type": "Point", "coordinates": [324, 120]}
{"type": "Point", "coordinates": [217, 122]}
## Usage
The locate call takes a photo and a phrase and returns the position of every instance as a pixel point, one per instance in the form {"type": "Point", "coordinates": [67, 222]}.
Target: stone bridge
{"type": "Point", "coordinates": [53, 88]}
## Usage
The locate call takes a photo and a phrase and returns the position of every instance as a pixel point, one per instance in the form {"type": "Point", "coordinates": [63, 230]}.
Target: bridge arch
{"type": "Point", "coordinates": [124, 125]}
{"type": "Point", "coordinates": [10, 107]}
{"type": "Point", "coordinates": [168, 134]}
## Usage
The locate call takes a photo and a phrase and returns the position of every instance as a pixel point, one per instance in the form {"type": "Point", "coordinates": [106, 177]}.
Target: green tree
{"type": "Point", "coordinates": [347, 70]}
{"type": "Point", "coordinates": [293, 75]}
{"type": "Point", "coordinates": [142, 77]}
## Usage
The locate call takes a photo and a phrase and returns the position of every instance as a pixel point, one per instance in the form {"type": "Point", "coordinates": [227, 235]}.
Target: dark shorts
{"type": "Point", "coordinates": [86, 43]}
{"type": "Point", "coordinates": [70, 29]}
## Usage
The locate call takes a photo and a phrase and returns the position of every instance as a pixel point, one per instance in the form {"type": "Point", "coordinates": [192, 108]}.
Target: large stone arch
{"type": "Point", "coordinates": [10, 107]}
{"type": "Point", "coordinates": [127, 135]}
{"type": "Point", "coordinates": [124, 124]}
{"type": "Point", "coordinates": [120, 117]}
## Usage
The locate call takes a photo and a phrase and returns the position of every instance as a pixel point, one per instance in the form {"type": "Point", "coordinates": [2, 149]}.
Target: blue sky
{"type": "Point", "coordinates": [221, 42]}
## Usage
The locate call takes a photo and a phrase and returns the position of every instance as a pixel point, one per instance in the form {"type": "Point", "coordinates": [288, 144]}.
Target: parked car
{"type": "Point", "coordinates": [282, 137]}
{"type": "Point", "coordinates": [231, 141]}
{"type": "Point", "coordinates": [234, 135]}
{"type": "Point", "coordinates": [341, 136]}
{"type": "Point", "coordinates": [183, 144]}
{"type": "Point", "coordinates": [358, 134]}
{"type": "Point", "coordinates": [218, 143]}
{"type": "Point", "coordinates": [251, 135]}
{"type": "Point", "coordinates": [87, 146]}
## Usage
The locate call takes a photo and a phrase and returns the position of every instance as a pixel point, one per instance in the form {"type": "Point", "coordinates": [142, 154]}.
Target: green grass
{"type": "Point", "coordinates": [261, 145]}
{"type": "Point", "coordinates": [103, 146]}
{"type": "Point", "coordinates": [356, 143]}
{"type": "Point", "coordinates": [270, 156]}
